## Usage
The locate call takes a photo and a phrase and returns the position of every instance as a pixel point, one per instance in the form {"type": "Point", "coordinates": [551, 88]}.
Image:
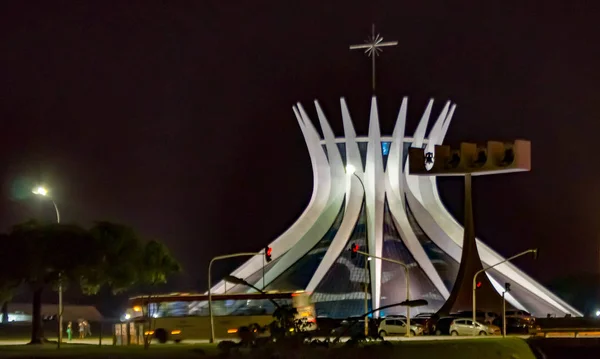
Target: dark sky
{"type": "Point", "coordinates": [175, 117]}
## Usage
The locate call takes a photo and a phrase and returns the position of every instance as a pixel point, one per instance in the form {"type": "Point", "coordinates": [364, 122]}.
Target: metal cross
{"type": "Point", "coordinates": [372, 48]}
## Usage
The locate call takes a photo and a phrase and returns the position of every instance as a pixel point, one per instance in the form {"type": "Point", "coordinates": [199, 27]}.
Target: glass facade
{"type": "Point", "coordinates": [393, 280]}
{"type": "Point", "coordinates": [341, 293]}
{"type": "Point", "coordinates": [297, 276]}
{"type": "Point", "coordinates": [325, 150]}
{"type": "Point", "coordinates": [255, 279]}
{"type": "Point", "coordinates": [342, 148]}
{"type": "Point", "coordinates": [362, 148]}
{"type": "Point", "coordinates": [385, 151]}
{"type": "Point", "coordinates": [445, 265]}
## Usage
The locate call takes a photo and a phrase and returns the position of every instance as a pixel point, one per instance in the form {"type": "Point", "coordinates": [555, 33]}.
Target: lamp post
{"type": "Point", "coordinates": [210, 311]}
{"type": "Point", "coordinates": [534, 251]}
{"type": "Point", "coordinates": [351, 170]}
{"type": "Point", "coordinates": [407, 284]}
{"type": "Point", "coordinates": [42, 191]}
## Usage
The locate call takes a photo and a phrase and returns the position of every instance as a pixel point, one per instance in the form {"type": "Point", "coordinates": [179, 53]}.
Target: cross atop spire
{"type": "Point", "coordinates": [373, 47]}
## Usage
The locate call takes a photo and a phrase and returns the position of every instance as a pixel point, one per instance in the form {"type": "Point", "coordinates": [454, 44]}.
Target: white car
{"type": "Point", "coordinates": [397, 326]}
{"type": "Point", "coordinates": [463, 326]}
{"type": "Point", "coordinates": [519, 314]}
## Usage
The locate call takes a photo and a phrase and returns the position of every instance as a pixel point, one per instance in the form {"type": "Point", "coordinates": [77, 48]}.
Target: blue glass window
{"type": "Point", "coordinates": [385, 148]}
{"type": "Point", "coordinates": [341, 293]}
{"type": "Point", "coordinates": [393, 280]}
{"type": "Point", "coordinates": [299, 274]}
{"type": "Point", "coordinates": [445, 265]}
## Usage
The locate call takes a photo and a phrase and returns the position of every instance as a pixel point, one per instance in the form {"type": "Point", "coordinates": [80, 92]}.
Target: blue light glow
{"type": "Point", "coordinates": [385, 148]}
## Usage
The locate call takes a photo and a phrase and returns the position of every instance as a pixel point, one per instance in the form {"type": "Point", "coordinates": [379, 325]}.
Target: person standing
{"type": "Point", "coordinates": [81, 330]}
{"type": "Point", "coordinates": [88, 328]}
{"type": "Point", "coordinates": [70, 331]}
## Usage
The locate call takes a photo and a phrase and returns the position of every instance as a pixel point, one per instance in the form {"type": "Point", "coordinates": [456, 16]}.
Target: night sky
{"type": "Point", "coordinates": [175, 117]}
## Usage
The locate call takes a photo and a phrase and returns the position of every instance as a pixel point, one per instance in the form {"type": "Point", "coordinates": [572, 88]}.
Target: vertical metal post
{"type": "Point", "coordinates": [474, 298]}
{"type": "Point", "coordinates": [407, 299]}
{"type": "Point", "coordinates": [210, 312]}
{"type": "Point", "coordinates": [60, 290]}
{"type": "Point", "coordinates": [503, 315]}
{"type": "Point", "coordinates": [263, 270]}
{"type": "Point", "coordinates": [366, 297]}
{"type": "Point", "coordinates": [60, 310]}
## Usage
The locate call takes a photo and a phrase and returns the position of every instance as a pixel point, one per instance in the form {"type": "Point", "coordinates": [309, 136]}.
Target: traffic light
{"type": "Point", "coordinates": [507, 287]}
{"type": "Point", "coordinates": [268, 251]}
{"type": "Point", "coordinates": [353, 250]}
{"type": "Point", "coordinates": [478, 285]}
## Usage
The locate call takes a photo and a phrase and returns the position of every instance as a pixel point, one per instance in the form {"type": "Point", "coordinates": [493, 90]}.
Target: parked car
{"type": "Point", "coordinates": [515, 325]}
{"type": "Point", "coordinates": [424, 315]}
{"type": "Point", "coordinates": [349, 328]}
{"type": "Point", "coordinates": [397, 326]}
{"type": "Point", "coordinates": [519, 314]}
{"type": "Point", "coordinates": [480, 316]}
{"type": "Point", "coordinates": [427, 320]}
{"type": "Point", "coordinates": [464, 326]}
{"type": "Point", "coordinates": [442, 326]}
{"type": "Point", "coordinates": [355, 327]}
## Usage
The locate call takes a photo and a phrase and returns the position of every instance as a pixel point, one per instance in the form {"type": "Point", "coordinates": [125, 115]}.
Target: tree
{"type": "Point", "coordinates": [157, 264]}
{"type": "Point", "coordinates": [45, 251]}
{"type": "Point", "coordinates": [106, 255]}
{"type": "Point", "coordinates": [8, 284]}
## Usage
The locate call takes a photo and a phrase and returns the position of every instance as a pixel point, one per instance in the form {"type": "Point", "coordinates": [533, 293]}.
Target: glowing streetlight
{"type": "Point", "coordinates": [42, 191]}
{"type": "Point", "coordinates": [350, 169]}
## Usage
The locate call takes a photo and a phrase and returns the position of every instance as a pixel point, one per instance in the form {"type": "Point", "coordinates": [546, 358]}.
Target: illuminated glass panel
{"type": "Point", "coordinates": [297, 276]}
{"type": "Point", "coordinates": [445, 265]}
{"type": "Point", "coordinates": [341, 293]}
{"type": "Point", "coordinates": [385, 148]}
{"type": "Point", "coordinates": [393, 280]}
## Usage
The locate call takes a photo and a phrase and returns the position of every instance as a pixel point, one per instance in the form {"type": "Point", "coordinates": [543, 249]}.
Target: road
{"type": "Point", "coordinates": [108, 340]}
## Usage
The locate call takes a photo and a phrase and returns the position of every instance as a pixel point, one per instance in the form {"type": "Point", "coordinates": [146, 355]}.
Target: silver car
{"type": "Point", "coordinates": [397, 326]}
{"type": "Point", "coordinates": [464, 326]}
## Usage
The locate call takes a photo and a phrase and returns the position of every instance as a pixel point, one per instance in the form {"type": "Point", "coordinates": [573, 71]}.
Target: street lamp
{"type": "Point", "coordinates": [42, 191]}
{"type": "Point", "coordinates": [408, 301]}
{"type": "Point", "coordinates": [210, 311]}
{"type": "Point", "coordinates": [534, 251]}
{"type": "Point", "coordinates": [351, 170]}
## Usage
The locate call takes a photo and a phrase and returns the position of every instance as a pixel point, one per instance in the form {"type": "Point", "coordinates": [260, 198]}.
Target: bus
{"type": "Point", "coordinates": [185, 316]}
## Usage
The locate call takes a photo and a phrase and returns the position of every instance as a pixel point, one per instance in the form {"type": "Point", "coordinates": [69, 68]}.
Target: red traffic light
{"type": "Point", "coordinates": [268, 251]}
{"type": "Point", "coordinates": [478, 284]}
{"type": "Point", "coordinates": [355, 248]}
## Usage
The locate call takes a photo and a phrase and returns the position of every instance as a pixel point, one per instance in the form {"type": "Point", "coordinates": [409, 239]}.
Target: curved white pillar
{"type": "Point", "coordinates": [332, 185]}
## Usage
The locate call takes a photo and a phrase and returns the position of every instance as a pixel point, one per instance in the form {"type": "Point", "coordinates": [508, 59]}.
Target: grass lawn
{"type": "Point", "coordinates": [513, 348]}
{"type": "Point", "coordinates": [112, 352]}
{"type": "Point", "coordinates": [510, 348]}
